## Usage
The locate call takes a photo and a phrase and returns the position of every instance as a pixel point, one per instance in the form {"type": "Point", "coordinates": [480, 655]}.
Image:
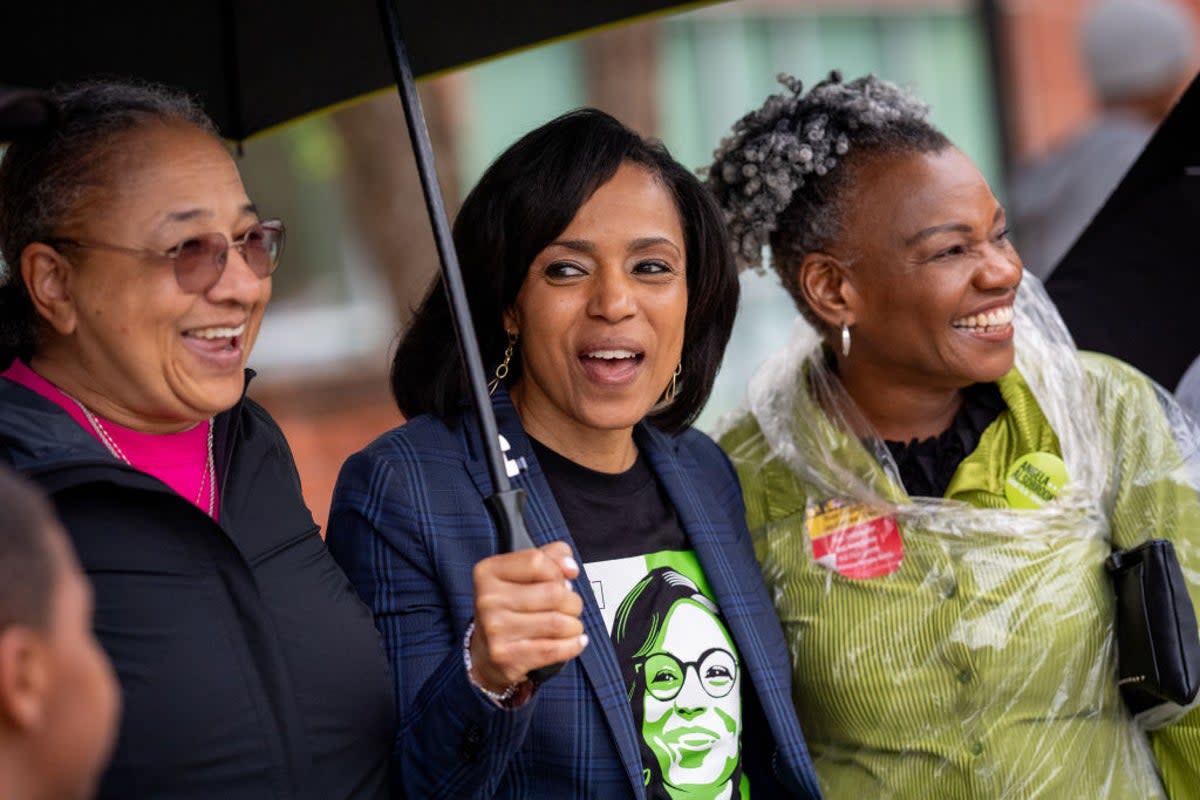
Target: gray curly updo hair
{"type": "Point", "coordinates": [777, 175]}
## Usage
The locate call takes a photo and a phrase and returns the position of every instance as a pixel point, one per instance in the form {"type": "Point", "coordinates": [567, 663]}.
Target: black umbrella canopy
{"type": "Point", "coordinates": [1130, 285]}
{"type": "Point", "coordinates": [23, 110]}
{"type": "Point", "coordinates": [259, 63]}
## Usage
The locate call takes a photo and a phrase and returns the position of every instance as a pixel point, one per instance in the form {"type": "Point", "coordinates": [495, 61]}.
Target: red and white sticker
{"type": "Point", "coordinates": [854, 540]}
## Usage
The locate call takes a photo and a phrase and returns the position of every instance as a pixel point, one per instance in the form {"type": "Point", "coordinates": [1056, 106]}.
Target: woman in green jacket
{"type": "Point", "coordinates": [934, 476]}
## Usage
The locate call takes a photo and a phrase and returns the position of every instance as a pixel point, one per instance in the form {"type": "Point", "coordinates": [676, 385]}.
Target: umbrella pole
{"type": "Point", "coordinates": [506, 504]}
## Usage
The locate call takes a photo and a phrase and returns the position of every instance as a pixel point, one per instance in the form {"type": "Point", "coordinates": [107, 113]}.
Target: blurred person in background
{"type": "Point", "coordinates": [1139, 55]}
{"type": "Point", "coordinates": [137, 275]}
{"type": "Point", "coordinates": [59, 702]}
{"type": "Point", "coordinates": [603, 289]}
{"type": "Point", "coordinates": [934, 476]}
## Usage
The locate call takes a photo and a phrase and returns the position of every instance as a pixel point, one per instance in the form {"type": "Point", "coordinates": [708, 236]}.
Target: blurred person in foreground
{"type": "Point", "coordinates": [137, 275]}
{"type": "Point", "coordinates": [603, 289]}
{"type": "Point", "coordinates": [59, 702]}
{"type": "Point", "coordinates": [1139, 55]}
{"type": "Point", "coordinates": [934, 476]}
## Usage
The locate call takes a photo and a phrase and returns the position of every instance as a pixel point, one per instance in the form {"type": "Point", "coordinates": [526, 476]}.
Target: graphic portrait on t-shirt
{"type": "Point", "coordinates": [680, 666]}
{"type": "Point", "coordinates": [682, 674]}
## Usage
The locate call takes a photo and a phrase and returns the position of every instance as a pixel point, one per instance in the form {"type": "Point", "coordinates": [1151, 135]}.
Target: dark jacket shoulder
{"type": "Point", "coordinates": [248, 666]}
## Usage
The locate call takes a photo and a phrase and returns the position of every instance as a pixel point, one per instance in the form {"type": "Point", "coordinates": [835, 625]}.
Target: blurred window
{"type": "Point", "coordinates": [327, 306]}
{"type": "Point", "coordinates": [716, 64]}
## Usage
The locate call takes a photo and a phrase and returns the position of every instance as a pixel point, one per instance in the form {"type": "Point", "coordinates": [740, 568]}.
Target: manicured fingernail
{"type": "Point", "coordinates": [583, 640]}
{"type": "Point", "coordinates": [570, 563]}
{"type": "Point", "coordinates": [570, 588]}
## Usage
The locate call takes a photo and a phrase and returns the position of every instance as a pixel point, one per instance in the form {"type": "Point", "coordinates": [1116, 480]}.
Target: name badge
{"type": "Point", "coordinates": [853, 540]}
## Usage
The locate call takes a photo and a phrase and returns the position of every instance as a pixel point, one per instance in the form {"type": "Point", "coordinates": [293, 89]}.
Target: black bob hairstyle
{"type": "Point", "coordinates": [524, 200]}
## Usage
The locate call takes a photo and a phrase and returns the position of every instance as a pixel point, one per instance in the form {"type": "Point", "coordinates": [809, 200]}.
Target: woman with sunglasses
{"type": "Point", "coordinates": [137, 274]}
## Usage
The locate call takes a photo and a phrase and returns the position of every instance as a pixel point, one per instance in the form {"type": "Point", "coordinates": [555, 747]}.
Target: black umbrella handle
{"type": "Point", "coordinates": [507, 505]}
{"type": "Point", "coordinates": [508, 509]}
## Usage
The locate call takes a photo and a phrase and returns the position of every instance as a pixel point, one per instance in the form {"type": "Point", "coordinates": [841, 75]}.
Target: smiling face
{"type": "Point", "coordinates": [693, 702]}
{"type": "Point", "coordinates": [932, 275]}
{"type": "Point", "coordinates": [134, 346]}
{"type": "Point", "coordinates": [600, 315]}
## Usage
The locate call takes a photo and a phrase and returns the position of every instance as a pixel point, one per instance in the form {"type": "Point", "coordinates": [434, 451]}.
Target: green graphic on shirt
{"type": "Point", "coordinates": [1034, 480]}
{"type": "Point", "coordinates": [682, 673]}
{"type": "Point", "coordinates": [682, 561]}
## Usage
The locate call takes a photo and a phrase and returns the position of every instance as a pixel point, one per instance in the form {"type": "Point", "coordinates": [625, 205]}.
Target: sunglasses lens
{"type": "Point", "coordinates": [262, 245]}
{"type": "Point", "coordinates": [199, 262]}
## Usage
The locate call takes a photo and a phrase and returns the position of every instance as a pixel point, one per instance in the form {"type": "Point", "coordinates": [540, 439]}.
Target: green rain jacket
{"type": "Point", "coordinates": [982, 664]}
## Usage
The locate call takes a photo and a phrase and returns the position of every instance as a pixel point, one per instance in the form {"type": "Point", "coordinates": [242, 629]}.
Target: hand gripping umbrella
{"type": "Point", "coordinates": [259, 63]}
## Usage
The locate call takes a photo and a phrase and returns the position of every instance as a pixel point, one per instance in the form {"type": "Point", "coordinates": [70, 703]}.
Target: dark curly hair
{"type": "Point", "coordinates": [782, 175]}
{"type": "Point", "coordinates": [47, 176]}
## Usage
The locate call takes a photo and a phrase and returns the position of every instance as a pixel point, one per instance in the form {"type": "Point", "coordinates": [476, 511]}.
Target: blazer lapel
{"type": "Point", "coordinates": [545, 524]}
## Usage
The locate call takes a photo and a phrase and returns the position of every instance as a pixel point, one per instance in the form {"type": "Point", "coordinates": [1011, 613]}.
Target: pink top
{"type": "Point", "coordinates": [179, 460]}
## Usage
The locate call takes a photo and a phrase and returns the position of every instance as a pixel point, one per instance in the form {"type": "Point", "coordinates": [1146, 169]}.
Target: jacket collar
{"type": "Point", "coordinates": [39, 435]}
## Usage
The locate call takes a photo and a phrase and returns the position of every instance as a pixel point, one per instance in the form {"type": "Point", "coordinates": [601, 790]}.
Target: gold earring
{"type": "Point", "coordinates": [502, 369]}
{"type": "Point", "coordinates": [673, 389]}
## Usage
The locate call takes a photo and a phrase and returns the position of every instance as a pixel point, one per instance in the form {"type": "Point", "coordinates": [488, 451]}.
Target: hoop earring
{"type": "Point", "coordinates": [845, 340]}
{"type": "Point", "coordinates": [502, 369]}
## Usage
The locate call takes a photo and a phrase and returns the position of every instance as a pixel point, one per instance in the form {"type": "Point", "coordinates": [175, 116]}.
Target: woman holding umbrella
{"type": "Point", "coordinates": [603, 290]}
{"type": "Point", "coordinates": [934, 476]}
{"type": "Point", "coordinates": [137, 274]}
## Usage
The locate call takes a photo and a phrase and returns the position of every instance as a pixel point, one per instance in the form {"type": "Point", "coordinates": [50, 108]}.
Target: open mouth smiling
{"type": "Point", "coordinates": [219, 337]}
{"type": "Point", "coordinates": [995, 321]}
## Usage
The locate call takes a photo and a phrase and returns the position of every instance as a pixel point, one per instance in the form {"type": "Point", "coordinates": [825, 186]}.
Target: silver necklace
{"type": "Point", "coordinates": [209, 478]}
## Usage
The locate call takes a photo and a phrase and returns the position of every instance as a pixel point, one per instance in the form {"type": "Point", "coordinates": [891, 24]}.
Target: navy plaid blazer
{"type": "Point", "coordinates": [408, 523]}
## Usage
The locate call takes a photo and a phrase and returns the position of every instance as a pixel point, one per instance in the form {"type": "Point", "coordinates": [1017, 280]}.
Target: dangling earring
{"type": "Point", "coordinates": [502, 369]}
{"type": "Point", "coordinates": [673, 389]}
{"type": "Point", "coordinates": [845, 340]}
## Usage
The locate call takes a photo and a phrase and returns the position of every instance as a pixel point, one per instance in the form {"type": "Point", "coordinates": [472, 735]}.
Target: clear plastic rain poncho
{"type": "Point", "coordinates": [964, 647]}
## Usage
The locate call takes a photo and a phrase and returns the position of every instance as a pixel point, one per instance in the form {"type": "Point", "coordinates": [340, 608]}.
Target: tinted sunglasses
{"type": "Point", "coordinates": [199, 260]}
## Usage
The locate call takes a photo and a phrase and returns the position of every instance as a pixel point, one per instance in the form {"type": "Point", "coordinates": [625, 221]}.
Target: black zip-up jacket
{"type": "Point", "coordinates": [249, 667]}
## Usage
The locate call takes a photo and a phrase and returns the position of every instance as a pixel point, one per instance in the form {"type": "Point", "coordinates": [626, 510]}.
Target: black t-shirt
{"type": "Point", "coordinates": [612, 515]}
{"type": "Point", "coordinates": [680, 665]}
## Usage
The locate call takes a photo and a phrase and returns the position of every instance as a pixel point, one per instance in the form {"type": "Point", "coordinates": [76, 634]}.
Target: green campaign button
{"type": "Point", "coordinates": [1034, 480]}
